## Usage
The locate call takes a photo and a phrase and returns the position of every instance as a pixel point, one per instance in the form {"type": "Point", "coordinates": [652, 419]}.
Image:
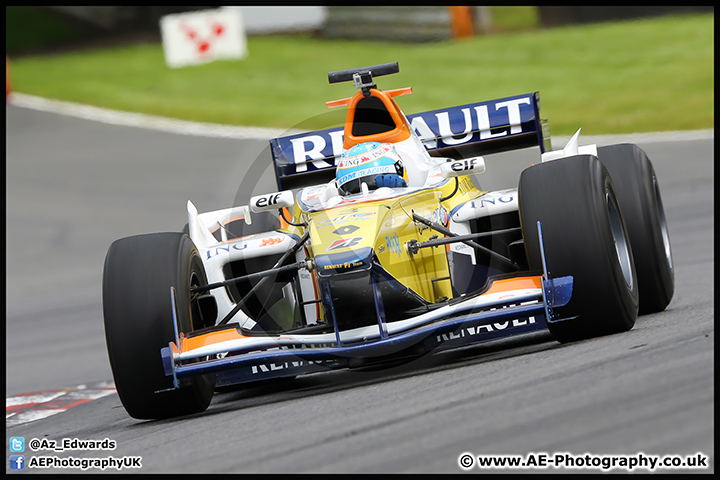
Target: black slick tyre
{"type": "Point", "coordinates": [584, 236]}
{"type": "Point", "coordinates": [638, 191]}
{"type": "Point", "coordinates": [138, 317]}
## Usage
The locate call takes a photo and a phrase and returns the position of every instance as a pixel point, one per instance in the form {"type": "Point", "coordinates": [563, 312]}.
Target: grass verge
{"type": "Point", "coordinates": [624, 77]}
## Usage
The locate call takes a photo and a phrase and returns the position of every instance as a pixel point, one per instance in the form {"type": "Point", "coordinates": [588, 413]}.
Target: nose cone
{"type": "Point", "coordinates": [346, 230]}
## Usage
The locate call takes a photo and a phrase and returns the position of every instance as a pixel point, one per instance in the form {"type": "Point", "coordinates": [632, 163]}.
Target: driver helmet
{"type": "Point", "coordinates": [365, 161]}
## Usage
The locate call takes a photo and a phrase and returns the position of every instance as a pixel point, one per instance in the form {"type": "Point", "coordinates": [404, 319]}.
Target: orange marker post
{"type": "Point", "coordinates": [461, 20]}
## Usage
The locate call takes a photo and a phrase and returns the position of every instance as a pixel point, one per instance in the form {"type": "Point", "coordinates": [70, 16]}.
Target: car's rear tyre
{"type": "Point", "coordinates": [138, 317]}
{"type": "Point", "coordinates": [639, 195]}
{"type": "Point", "coordinates": [584, 236]}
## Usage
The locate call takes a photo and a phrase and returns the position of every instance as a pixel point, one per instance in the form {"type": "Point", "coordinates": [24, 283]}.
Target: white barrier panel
{"type": "Point", "coordinates": [200, 37]}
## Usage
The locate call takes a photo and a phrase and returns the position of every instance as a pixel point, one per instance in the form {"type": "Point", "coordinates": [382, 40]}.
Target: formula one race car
{"type": "Point", "coordinates": [378, 246]}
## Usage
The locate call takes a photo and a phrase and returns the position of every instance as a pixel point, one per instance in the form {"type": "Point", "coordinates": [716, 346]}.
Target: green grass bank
{"type": "Point", "coordinates": [622, 77]}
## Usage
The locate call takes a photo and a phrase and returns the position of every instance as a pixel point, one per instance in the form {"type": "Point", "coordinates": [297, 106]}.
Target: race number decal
{"type": "Point", "coordinates": [345, 243]}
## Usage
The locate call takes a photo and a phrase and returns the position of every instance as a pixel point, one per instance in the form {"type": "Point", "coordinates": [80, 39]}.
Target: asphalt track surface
{"type": "Point", "coordinates": [74, 186]}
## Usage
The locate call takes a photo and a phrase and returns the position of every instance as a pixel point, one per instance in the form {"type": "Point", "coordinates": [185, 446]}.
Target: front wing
{"type": "Point", "coordinates": [509, 307]}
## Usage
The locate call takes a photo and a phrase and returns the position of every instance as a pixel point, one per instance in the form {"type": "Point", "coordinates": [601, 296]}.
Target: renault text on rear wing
{"type": "Point", "coordinates": [458, 132]}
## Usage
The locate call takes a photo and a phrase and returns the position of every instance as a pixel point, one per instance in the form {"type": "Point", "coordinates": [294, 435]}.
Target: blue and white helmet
{"type": "Point", "coordinates": [365, 161]}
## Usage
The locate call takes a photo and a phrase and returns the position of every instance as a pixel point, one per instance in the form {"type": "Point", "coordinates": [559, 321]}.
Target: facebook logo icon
{"type": "Point", "coordinates": [17, 462]}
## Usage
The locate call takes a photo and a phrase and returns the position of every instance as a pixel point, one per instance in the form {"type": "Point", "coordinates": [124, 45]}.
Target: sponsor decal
{"type": "Point", "coordinates": [272, 367]}
{"type": "Point", "coordinates": [343, 266]}
{"type": "Point", "coordinates": [491, 203]}
{"type": "Point", "coordinates": [218, 250]}
{"type": "Point", "coordinates": [393, 244]}
{"type": "Point", "coordinates": [316, 151]}
{"type": "Point", "coordinates": [271, 241]}
{"type": "Point", "coordinates": [441, 128]}
{"type": "Point", "coordinates": [441, 216]}
{"type": "Point", "coordinates": [346, 230]}
{"type": "Point", "coordinates": [488, 200]}
{"type": "Point", "coordinates": [345, 243]}
{"type": "Point", "coordinates": [267, 200]}
{"type": "Point", "coordinates": [352, 217]}
{"type": "Point", "coordinates": [464, 165]}
{"type": "Point", "coordinates": [238, 246]}
{"type": "Point", "coordinates": [472, 331]}
{"type": "Point", "coordinates": [348, 162]}
{"type": "Point", "coordinates": [483, 121]}
{"type": "Point", "coordinates": [271, 200]}
{"type": "Point", "coordinates": [366, 172]}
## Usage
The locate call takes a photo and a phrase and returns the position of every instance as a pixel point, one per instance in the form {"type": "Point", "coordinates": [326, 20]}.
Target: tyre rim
{"type": "Point", "coordinates": [663, 224]}
{"type": "Point", "coordinates": [195, 281]}
{"type": "Point", "coordinates": [622, 249]}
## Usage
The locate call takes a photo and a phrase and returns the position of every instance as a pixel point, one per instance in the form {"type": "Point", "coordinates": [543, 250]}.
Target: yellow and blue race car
{"type": "Point", "coordinates": [378, 246]}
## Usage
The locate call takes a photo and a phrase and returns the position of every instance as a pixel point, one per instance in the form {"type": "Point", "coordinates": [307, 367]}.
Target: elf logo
{"type": "Point", "coordinates": [464, 165]}
{"type": "Point", "coordinates": [267, 201]}
{"type": "Point", "coordinates": [270, 201]}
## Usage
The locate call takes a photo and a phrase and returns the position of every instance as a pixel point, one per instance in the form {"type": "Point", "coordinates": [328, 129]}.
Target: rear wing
{"type": "Point", "coordinates": [457, 132]}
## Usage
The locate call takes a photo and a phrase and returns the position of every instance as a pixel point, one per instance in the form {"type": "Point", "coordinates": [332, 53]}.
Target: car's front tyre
{"type": "Point", "coordinates": [137, 310]}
